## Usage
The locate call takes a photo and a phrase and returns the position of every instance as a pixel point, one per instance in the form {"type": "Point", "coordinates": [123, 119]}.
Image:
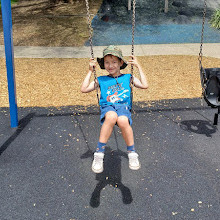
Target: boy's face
{"type": "Point", "coordinates": [112, 64]}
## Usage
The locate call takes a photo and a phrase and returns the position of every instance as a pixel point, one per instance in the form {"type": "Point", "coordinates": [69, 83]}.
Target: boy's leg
{"type": "Point", "coordinates": [105, 133]}
{"type": "Point", "coordinates": [126, 129]}
{"type": "Point", "coordinates": [127, 133]}
{"type": "Point", "coordinates": [107, 127]}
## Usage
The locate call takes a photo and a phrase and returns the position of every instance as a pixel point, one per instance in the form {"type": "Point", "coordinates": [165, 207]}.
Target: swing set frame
{"type": "Point", "coordinates": [9, 55]}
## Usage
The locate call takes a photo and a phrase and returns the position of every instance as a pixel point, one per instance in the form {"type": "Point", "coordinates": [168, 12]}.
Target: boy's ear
{"type": "Point", "coordinates": [122, 62]}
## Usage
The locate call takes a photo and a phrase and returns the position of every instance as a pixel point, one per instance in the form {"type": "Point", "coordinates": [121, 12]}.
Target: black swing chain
{"type": "Point", "coordinates": [89, 20]}
{"type": "Point", "coordinates": [200, 53]}
{"type": "Point", "coordinates": [132, 43]}
{"type": "Point", "coordinates": [202, 35]}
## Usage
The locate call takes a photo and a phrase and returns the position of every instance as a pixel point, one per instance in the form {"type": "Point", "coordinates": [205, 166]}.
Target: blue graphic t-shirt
{"type": "Point", "coordinates": [115, 92]}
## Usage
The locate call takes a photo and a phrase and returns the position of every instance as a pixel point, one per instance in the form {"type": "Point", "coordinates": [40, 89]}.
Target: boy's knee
{"type": "Point", "coordinates": [123, 121]}
{"type": "Point", "coordinates": [111, 117]}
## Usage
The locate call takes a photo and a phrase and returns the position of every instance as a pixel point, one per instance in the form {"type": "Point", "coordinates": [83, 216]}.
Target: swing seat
{"type": "Point", "coordinates": [210, 80]}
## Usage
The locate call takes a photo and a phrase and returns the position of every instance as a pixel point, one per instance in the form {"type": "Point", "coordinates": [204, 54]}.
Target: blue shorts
{"type": "Point", "coordinates": [119, 109]}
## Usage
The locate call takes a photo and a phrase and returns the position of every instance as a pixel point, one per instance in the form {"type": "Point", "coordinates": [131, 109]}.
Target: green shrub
{"type": "Point", "coordinates": [12, 2]}
{"type": "Point", "coordinates": [215, 20]}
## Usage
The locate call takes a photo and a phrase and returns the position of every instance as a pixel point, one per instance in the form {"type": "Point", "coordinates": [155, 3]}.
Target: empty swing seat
{"type": "Point", "coordinates": [210, 79]}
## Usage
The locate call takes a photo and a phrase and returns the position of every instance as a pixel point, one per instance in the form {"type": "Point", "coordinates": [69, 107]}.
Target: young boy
{"type": "Point", "coordinates": [115, 102]}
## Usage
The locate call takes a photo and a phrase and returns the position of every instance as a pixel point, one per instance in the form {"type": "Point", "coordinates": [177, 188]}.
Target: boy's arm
{"type": "Point", "coordinates": [142, 82]}
{"type": "Point", "coordinates": [88, 86]}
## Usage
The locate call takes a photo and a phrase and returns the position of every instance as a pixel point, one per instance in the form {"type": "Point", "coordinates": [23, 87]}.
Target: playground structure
{"type": "Point", "coordinates": [9, 53]}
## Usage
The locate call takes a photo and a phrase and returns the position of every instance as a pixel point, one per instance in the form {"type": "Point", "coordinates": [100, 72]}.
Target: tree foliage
{"type": "Point", "coordinates": [215, 20]}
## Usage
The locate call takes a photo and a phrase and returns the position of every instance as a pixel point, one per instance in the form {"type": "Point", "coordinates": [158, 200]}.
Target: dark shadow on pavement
{"type": "Point", "coordinates": [89, 153]}
{"type": "Point", "coordinates": [67, 111]}
{"type": "Point", "coordinates": [111, 176]}
{"type": "Point", "coordinates": [25, 121]}
{"type": "Point", "coordinates": [21, 125]}
{"type": "Point", "coordinates": [199, 127]}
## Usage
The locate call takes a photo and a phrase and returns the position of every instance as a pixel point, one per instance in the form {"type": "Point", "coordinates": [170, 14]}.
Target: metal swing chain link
{"type": "Point", "coordinates": [202, 36]}
{"type": "Point", "coordinates": [89, 20]}
{"type": "Point", "coordinates": [90, 28]}
{"type": "Point", "coordinates": [132, 53]}
{"type": "Point", "coordinates": [200, 53]}
{"type": "Point", "coordinates": [133, 27]}
{"type": "Point", "coordinates": [132, 42]}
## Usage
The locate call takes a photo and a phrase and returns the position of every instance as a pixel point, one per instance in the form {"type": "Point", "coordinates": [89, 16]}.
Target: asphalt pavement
{"type": "Point", "coordinates": [45, 164]}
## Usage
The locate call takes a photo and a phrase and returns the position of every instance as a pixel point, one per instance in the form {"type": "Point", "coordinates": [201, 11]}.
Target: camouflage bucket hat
{"type": "Point", "coordinates": [111, 50]}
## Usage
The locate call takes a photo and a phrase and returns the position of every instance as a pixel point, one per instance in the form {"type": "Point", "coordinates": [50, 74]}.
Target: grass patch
{"type": "Point", "coordinates": [12, 2]}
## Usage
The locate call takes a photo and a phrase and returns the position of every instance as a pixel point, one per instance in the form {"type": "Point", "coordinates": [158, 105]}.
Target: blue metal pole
{"type": "Point", "coordinates": [9, 54]}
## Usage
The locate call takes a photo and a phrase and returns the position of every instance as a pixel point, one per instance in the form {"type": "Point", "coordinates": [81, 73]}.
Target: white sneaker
{"type": "Point", "coordinates": [134, 163]}
{"type": "Point", "coordinates": [97, 164]}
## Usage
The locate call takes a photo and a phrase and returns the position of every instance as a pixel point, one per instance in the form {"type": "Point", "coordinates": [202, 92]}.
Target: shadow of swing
{"type": "Point", "coordinates": [21, 125]}
{"type": "Point", "coordinates": [111, 176]}
{"type": "Point", "coordinates": [198, 127]}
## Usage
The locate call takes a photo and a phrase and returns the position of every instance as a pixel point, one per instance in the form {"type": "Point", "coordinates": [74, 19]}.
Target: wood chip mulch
{"type": "Point", "coordinates": [56, 82]}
